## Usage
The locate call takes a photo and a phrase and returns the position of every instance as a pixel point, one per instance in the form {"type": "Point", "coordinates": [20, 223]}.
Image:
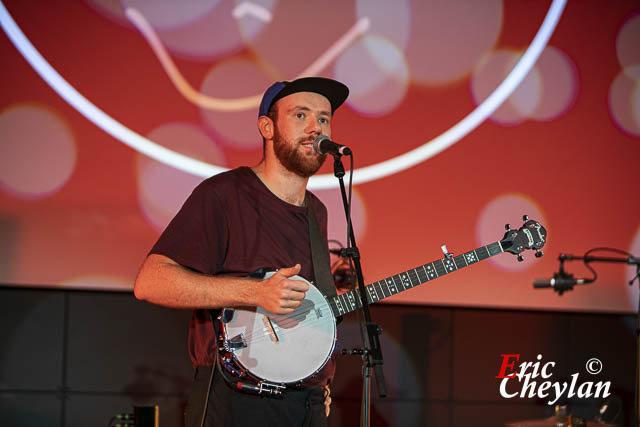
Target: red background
{"type": "Point", "coordinates": [580, 170]}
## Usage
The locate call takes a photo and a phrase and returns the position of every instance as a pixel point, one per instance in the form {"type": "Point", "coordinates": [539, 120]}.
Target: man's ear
{"type": "Point", "coordinates": [265, 126]}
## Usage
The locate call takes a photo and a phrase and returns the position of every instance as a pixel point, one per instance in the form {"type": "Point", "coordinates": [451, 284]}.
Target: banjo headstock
{"type": "Point", "coordinates": [532, 235]}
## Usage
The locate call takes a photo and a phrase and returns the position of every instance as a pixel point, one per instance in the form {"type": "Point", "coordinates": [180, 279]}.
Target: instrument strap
{"type": "Point", "coordinates": [320, 256]}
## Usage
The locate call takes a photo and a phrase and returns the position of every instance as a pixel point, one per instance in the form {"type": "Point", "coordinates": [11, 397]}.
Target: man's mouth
{"type": "Point", "coordinates": [307, 143]}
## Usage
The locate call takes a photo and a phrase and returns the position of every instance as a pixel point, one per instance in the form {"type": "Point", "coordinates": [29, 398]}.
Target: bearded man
{"type": "Point", "coordinates": [240, 222]}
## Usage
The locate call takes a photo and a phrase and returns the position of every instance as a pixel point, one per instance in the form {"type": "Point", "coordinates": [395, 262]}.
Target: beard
{"type": "Point", "coordinates": [293, 159]}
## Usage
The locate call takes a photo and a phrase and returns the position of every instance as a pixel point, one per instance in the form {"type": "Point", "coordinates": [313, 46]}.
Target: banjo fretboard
{"type": "Point", "coordinates": [350, 301]}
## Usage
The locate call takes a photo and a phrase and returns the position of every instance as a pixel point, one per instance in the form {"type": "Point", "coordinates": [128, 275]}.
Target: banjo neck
{"type": "Point", "coordinates": [377, 291]}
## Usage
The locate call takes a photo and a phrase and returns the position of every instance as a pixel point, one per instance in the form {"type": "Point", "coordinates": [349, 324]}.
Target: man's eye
{"type": "Point", "coordinates": [323, 121]}
{"type": "Point", "coordinates": [300, 115]}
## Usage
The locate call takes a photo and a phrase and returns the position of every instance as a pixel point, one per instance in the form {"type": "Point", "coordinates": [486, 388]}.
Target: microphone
{"type": "Point", "coordinates": [323, 145]}
{"type": "Point", "coordinates": [557, 283]}
{"type": "Point", "coordinates": [560, 282]}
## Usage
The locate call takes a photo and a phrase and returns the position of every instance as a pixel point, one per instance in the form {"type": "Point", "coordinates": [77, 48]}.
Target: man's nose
{"type": "Point", "coordinates": [313, 127]}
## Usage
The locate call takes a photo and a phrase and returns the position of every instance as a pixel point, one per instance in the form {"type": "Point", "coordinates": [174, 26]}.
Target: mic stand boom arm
{"type": "Point", "coordinates": [626, 260]}
{"type": "Point", "coordinates": [588, 258]}
{"type": "Point", "coordinates": [373, 353]}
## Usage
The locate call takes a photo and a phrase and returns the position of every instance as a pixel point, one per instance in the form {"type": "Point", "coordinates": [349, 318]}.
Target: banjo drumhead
{"type": "Point", "coordinates": [285, 348]}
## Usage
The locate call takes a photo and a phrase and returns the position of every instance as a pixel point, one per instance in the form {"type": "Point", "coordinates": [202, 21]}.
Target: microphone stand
{"type": "Point", "coordinates": [631, 260]}
{"type": "Point", "coordinates": [372, 354]}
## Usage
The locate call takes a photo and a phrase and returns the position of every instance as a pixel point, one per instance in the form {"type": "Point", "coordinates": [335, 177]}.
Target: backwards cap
{"type": "Point", "coordinates": [333, 90]}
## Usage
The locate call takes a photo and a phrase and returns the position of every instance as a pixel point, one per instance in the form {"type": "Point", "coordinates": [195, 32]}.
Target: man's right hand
{"type": "Point", "coordinates": [280, 295]}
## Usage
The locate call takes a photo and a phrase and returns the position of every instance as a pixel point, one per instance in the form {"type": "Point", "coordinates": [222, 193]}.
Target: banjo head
{"type": "Point", "coordinates": [284, 348]}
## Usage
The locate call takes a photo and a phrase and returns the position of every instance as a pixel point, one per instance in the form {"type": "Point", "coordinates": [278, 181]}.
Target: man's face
{"type": "Point", "coordinates": [301, 117]}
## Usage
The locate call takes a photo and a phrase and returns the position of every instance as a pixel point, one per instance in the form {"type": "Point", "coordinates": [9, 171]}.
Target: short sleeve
{"type": "Point", "coordinates": [197, 236]}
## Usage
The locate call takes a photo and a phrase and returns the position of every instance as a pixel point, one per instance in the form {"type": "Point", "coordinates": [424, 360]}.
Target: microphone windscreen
{"type": "Point", "coordinates": [318, 141]}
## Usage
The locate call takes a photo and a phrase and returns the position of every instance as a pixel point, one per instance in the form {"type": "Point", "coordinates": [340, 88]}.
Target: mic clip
{"type": "Point", "coordinates": [563, 282]}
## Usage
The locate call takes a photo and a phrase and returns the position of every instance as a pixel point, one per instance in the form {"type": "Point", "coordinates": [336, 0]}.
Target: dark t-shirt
{"type": "Point", "coordinates": [232, 224]}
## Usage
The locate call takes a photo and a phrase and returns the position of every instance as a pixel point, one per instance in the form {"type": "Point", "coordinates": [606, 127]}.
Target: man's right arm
{"type": "Point", "coordinates": [164, 282]}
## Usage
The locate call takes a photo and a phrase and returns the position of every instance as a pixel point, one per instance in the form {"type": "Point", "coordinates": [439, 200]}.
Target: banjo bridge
{"type": "Point", "coordinates": [271, 330]}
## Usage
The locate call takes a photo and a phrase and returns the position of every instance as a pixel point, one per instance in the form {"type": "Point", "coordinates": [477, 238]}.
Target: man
{"type": "Point", "coordinates": [234, 224]}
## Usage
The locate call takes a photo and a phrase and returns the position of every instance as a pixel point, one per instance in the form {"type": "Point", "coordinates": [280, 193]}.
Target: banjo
{"type": "Point", "coordinates": [275, 350]}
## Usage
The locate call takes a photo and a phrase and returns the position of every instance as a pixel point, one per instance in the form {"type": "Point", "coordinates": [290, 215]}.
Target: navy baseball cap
{"type": "Point", "coordinates": [333, 90]}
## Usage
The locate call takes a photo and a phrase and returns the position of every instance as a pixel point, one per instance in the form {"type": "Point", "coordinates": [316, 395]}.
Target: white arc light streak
{"type": "Point", "coordinates": [93, 113]}
{"type": "Point", "coordinates": [369, 173]}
